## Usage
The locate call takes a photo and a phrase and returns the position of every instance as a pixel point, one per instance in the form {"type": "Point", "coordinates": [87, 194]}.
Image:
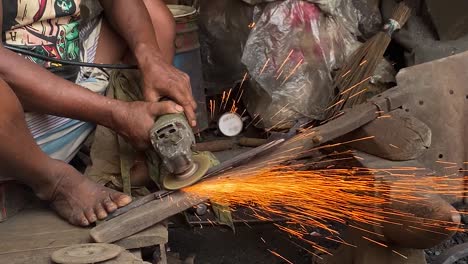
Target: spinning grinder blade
{"type": "Point", "coordinates": [201, 164]}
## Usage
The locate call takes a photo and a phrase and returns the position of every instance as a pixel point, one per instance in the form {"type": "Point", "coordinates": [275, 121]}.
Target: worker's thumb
{"type": "Point", "coordinates": [165, 107]}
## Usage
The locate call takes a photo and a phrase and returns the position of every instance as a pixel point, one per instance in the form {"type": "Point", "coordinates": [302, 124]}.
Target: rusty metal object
{"type": "Point", "coordinates": [391, 136]}
{"type": "Point", "coordinates": [226, 144]}
{"type": "Point", "coordinates": [412, 229]}
{"type": "Point", "coordinates": [453, 254]}
{"type": "Point", "coordinates": [447, 117]}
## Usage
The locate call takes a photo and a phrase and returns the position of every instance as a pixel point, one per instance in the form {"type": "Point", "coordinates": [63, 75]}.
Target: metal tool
{"type": "Point", "coordinates": [225, 166]}
{"type": "Point", "coordinates": [172, 138]}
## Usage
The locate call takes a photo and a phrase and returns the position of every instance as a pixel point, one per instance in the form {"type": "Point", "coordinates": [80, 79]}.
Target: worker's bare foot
{"type": "Point", "coordinates": [81, 201]}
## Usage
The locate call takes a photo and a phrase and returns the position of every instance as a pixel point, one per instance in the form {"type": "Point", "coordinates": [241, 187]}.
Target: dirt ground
{"type": "Point", "coordinates": [215, 245]}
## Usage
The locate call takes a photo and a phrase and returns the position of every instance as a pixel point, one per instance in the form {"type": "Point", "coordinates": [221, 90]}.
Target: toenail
{"type": "Point", "coordinates": [123, 200]}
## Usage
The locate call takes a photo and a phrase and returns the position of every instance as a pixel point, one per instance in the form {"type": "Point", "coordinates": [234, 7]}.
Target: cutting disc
{"type": "Point", "coordinates": [202, 165]}
{"type": "Point", "coordinates": [86, 253]}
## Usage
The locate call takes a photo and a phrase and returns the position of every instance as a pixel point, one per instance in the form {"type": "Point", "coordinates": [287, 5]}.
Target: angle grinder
{"type": "Point", "coordinates": [173, 138]}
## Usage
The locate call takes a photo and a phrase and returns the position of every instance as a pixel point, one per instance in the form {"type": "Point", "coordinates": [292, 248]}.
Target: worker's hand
{"type": "Point", "coordinates": [161, 79]}
{"type": "Point", "coordinates": [134, 120]}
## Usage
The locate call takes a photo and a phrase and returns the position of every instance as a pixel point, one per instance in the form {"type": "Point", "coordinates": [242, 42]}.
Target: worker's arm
{"type": "Point", "coordinates": [133, 23]}
{"type": "Point", "coordinates": [43, 92]}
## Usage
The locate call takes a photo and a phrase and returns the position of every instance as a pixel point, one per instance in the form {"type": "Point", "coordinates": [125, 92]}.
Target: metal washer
{"type": "Point", "coordinates": [86, 253]}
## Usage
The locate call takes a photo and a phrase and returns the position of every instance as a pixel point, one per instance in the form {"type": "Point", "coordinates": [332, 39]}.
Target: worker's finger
{"type": "Point", "coordinates": [189, 95]}
{"type": "Point", "coordinates": [109, 205]}
{"type": "Point", "coordinates": [188, 84]}
{"type": "Point", "coordinates": [187, 102]}
{"type": "Point", "coordinates": [100, 211]}
{"type": "Point", "coordinates": [191, 117]}
{"type": "Point", "coordinates": [166, 107]}
{"type": "Point", "coordinates": [90, 215]}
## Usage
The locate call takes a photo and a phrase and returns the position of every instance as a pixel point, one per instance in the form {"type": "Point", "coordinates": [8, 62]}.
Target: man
{"type": "Point", "coordinates": [142, 32]}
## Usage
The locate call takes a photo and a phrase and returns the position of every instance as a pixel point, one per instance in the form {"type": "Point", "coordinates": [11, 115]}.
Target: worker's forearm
{"type": "Point", "coordinates": [134, 24]}
{"type": "Point", "coordinates": [43, 92]}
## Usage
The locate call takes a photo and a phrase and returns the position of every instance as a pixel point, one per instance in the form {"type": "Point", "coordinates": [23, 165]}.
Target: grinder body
{"type": "Point", "coordinates": [173, 138]}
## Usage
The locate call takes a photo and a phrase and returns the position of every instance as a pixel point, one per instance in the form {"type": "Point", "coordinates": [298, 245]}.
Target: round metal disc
{"type": "Point", "coordinates": [86, 253]}
{"type": "Point", "coordinates": [230, 124]}
{"type": "Point", "coordinates": [173, 182]}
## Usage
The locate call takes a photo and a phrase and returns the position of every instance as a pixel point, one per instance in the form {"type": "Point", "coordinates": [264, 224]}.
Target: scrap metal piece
{"type": "Point", "coordinates": [86, 253]}
{"type": "Point", "coordinates": [453, 254]}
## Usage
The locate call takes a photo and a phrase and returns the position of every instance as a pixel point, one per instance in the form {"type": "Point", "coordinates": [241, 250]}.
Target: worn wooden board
{"type": "Point", "coordinates": [32, 236]}
{"type": "Point", "coordinates": [155, 235]}
{"type": "Point", "coordinates": [13, 198]}
{"type": "Point", "coordinates": [143, 217]}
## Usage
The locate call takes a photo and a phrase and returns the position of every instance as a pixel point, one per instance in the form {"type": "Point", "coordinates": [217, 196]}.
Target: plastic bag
{"type": "Point", "coordinates": [224, 29]}
{"type": "Point", "coordinates": [290, 55]}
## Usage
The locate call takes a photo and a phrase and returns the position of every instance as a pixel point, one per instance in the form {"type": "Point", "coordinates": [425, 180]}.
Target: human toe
{"type": "Point", "coordinates": [100, 211]}
{"type": "Point", "coordinates": [109, 205]}
{"type": "Point", "coordinates": [120, 199]}
{"type": "Point", "coordinates": [90, 215]}
{"type": "Point", "coordinates": [79, 219]}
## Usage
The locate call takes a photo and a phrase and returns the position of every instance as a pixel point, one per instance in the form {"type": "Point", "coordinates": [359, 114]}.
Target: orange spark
{"type": "Point", "coordinates": [399, 254]}
{"type": "Point", "coordinates": [241, 90]}
{"type": "Point", "coordinates": [375, 242]}
{"type": "Point", "coordinates": [314, 198]}
{"type": "Point", "coordinates": [227, 98]}
{"type": "Point", "coordinates": [299, 64]}
{"type": "Point", "coordinates": [358, 93]}
{"type": "Point", "coordinates": [265, 65]}
{"type": "Point", "coordinates": [279, 256]}
{"type": "Point", "coordinates": [354, 86]}
{"type": "Point", "coordinates": [284, 62]}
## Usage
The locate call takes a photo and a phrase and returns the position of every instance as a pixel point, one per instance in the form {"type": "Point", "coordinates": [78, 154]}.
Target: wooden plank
{"type": "Point", "coordinates": [153, 212]}
{"type": "Point", "coordinates": [32, 235]}
{"type": "Point", "coordinates": [143, 217]}
{"type": "Point", "coordinates": [155, 235]}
